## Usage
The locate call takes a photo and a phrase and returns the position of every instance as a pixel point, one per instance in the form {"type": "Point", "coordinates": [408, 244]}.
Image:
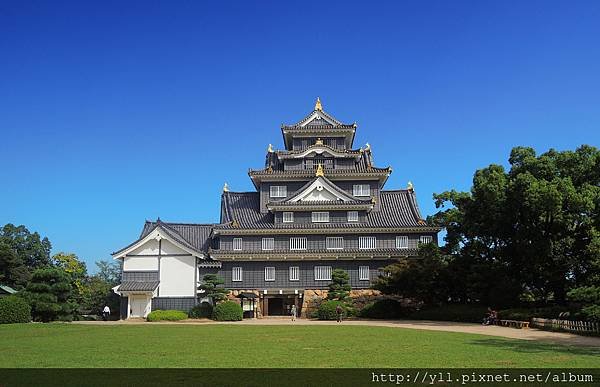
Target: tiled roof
{"type": "Point", "coordinates": [195, 236]}
{"type": "Point", "coordinates": [133, 286]}
{"type": "Point", "coordinates": [323, 122]}
{"type": "Point", "coordinates": [390, 251]}
{"type": "Point", "coordinates": [398, 209]}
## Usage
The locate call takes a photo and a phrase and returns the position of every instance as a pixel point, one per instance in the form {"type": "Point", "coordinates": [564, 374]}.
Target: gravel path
{"type": "Point", "coordinates": [511, 333]}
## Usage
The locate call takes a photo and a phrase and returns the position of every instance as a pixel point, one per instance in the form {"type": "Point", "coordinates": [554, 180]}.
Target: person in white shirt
{"type": "Point", "coordinates": [105, 313]}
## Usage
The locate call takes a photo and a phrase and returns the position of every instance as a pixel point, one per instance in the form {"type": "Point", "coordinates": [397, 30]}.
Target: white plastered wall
{"type": "Point", "coordinates": [177, 276]}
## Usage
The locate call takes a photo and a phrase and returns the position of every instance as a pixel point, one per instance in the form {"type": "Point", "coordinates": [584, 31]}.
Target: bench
{"type": "Point", "coordinates": [514, 323]}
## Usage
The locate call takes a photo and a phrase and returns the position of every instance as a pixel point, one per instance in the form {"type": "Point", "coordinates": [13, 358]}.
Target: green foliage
{"type": "Point", "coordinates": [531, 231]}
{"type": "Point", "coordinates": [384, 309]}
{"type": "Point", "coordinates": [423, 279]}
{"type": "Point", "coordinates": [326, 310]}
{"type": "Point", "coordinates": [228, 311]}
{"type": "Point", "coordinates": [213, 290]}
{"type": "Point", "coordinates": [526, 314]}
{"type": "Point", "coordinates": [49, 294]}
{"type": "Point", "coordinates": [591, 312]}
{"type": "Point", "coordinates": [339, 288]}
{"type": "Point", "coordinates": [13, 310]}
{"type": "Point", "coordinates": [77, 272]}
{"type": "Point", "coordinates": [453, 312]}
{"type": "Point", "coordinates": [589, 297]}
{"type": "Point", "coordinates": [203, 310]}
{"type": "Point", "coordinates": [21, 252]}
{"type": "Point", "coordinates": [109, 272]}
{"type": "Point", "coordinates": [166, 315]}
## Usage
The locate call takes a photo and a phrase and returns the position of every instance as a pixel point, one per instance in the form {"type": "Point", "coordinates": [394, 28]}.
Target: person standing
{"type": "Point", "coordinates": [105, 313]}
{"type": "Point", "coordinates": [339, 312]}
{"type": "Point", "coordinates": [293, 312]}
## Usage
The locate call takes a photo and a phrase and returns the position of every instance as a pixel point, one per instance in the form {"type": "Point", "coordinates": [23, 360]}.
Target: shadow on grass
{"type": "Point", "coordinates": [558, 346]}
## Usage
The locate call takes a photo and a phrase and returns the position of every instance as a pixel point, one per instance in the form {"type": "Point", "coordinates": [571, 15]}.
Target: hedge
{"type": "Point", "coordinates": [387, 309]}
{"type": "Point", "coordinates": [13, 310]}
{"type": "Point", "coordinates": [166, 315]}
{"type": "Point", "coordinates": [228, 311]}
{"type": "Point", "coordinates": [327, 309]}
{"type": "Point", "coordinates": [204, 310]}
{"type": "Point", "coordinates": [456, 312]}
{"type": "Point", "coordinates": [526, 314]}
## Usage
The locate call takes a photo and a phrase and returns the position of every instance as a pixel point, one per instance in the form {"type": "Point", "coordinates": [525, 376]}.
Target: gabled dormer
{"type": "Point", "coordinates": [318, 125]}
{"type": "Point", "coordinates": [320, 193]}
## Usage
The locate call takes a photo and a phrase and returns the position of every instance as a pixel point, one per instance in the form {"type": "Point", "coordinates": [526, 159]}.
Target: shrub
{"type": "Point", "coordinates": [13, 310]}
{"type": "Point", "coordinates": [166, 315]}
{"type": "Point", "coordinates": [326, 310]}
{"type": "Point", "coordinates": [383, 309]}
{"type": "Point", "coordinates": [204, 310]}
{"type": "Point", "coordinates": [227, 311]}
{"type": "Point", "coordinates": [526, 314]}
{"type": "Point", "coordinates": [454, 312]}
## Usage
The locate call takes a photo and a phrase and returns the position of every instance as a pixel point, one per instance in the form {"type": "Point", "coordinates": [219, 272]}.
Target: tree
{"type": "Point", "coordinates": [424, 279]}
{"type": "Point", "coordinates": [211, 288]}
{"type": "Point", "coordinates": [21, 252]}
{"type": "Point", "coordinates": [109, 272]}
{"type": "Point", "coordinates": [339, 288]}
{"type": "Point", "coordinates": [76, 271]}
{"type": "Point", "coordinates": [13, 271]}
{"type": "Point", "coordinates": [49, 294]}
{"type": "Point", "coordinates": [33, 250]}
{"type": "Point", "coordinates": [533, 230]}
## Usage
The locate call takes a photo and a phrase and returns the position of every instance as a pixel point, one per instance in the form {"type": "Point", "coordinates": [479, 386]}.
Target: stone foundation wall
{"type": "Point", "coordinates": [313, 298]}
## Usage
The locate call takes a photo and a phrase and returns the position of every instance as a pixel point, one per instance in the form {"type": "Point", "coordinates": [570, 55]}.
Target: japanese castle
{"type": "Point", "coordinates": [319, 204]}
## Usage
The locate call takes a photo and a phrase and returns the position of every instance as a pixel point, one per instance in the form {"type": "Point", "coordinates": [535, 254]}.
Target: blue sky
{"type": "Point", "coordinates": [116, 112]}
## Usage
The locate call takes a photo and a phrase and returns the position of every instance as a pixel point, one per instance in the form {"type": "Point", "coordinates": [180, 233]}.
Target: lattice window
{"type": "Point", "coordinates": [322, 273]}
{"type": "Point", "coordinates": [367, 242]}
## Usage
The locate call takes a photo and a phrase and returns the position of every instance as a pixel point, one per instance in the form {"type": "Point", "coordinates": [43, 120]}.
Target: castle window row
{"type": "Point", "coordinates": [319, 217]}
{"type": "Point", "coordinates": [331, 243]}
{"type": "Point", "coordinates": [321, 273]}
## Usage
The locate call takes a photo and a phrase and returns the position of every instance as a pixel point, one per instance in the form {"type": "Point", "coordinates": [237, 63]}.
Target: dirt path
{"type": "Point", "coordinates": [511, 333]}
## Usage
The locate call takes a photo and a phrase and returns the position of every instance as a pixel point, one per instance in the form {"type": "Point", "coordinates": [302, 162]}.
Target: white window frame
{"type": "Point", "coordinates": [402, 242]}
{"type": "Point", "coordinates": [278, 191]}
{"type": "Point", "coordinates": [363, 273]}
{"type": "Point", "coordinates": [294, 273]}
{"type": "Point", "coordinates": [268, 244]}
{"type": "Point", "coordinates": [298, 243]}
{"type": "Point", "coordinates": [334, 243]}
{"type": "Point", "coordinates": [361, 190]}
{"type": "Point", "coordinates": [237, 244]}
{"type": "Point", "coordinates": [322, 273]}
{"type": "Point", "coordinates": [426, 239]}
{"type": "Point", "coordinates": [367, 242]}
{"type": "Point", "coordinates": [320, 217]}
{"type": "Point", "coordinates": [289, 218]}
{"type": "Point", "coordinates": [237, 274]}
{"type": "Point", "coordinates": [352, 216]}
{"type": "Point", "coordinates": [269, 273]}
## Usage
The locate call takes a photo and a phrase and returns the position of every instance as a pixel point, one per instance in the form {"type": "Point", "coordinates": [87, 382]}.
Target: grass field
{"type": "Point", "coordinates": [147, 345]}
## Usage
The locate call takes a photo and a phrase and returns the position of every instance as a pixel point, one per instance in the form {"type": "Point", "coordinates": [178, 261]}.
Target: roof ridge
{"type": "Point", "coordinates": [394, 190]}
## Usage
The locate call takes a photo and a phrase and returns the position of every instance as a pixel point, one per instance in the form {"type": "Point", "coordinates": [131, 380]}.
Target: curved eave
{"type": "Point", "coordinates": [356, 229]}
{"type": "Point", "coordinates": [326, 255]}
{"type": "Point", "coordinates": [303, 206]}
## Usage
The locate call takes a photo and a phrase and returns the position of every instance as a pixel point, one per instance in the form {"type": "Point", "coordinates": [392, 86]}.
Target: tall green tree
{"type": "Point", "coordinates": [339, 288]}
{"type": "Point", "coordinates": [109, 272]}
{"type": "Point", "coordinates": [21, 252]}
{"type": "Point", "coordinates": [535, 226]}
{"type": "Point", "coordinates": [49, 294]}
{"type": "Point", "coordinates": [212, 289]}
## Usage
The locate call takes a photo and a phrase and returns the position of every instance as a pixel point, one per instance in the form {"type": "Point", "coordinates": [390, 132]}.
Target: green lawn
{"type": "Point", "coordinates": [147, 345]}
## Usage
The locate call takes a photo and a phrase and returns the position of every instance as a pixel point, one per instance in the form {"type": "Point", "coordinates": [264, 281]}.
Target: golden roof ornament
{"type": "Point", "coordinates": [319, 141]}
{"type": "Point", "coordinates": [410, 186]}
{"type": "Point", "coordinates": [270, 148]}
{"type": "Point", "coordinates": [235, 223]}
{"type": "Point", "coordinates": [320, 170]}
{"type": "Point", "coordinates": [225, 187]}
{"type": "Point", "coordinates": [318, 105]}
